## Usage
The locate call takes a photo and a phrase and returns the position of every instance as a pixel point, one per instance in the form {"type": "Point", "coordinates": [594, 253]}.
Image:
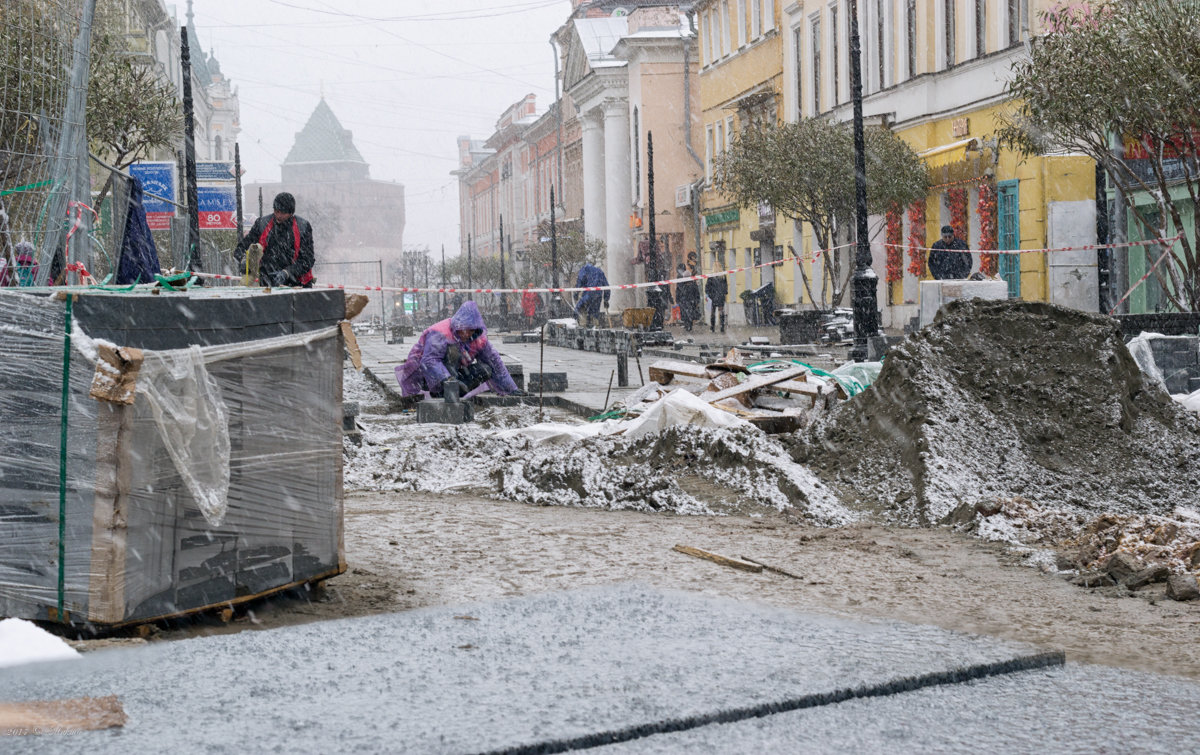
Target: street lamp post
{"type": "Point", "coordinates": [556, 297]}
{"type": "Point", "coordinates": [865, 281]}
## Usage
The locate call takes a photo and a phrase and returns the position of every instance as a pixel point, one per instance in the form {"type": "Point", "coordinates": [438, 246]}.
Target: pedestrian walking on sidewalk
{"type": "Point", "coordinates": [530, 304]}
{"type": "Point", "coordinates": [717, 290]}
{"type": "Point", "coordinates": [587, 308]}
{"type": "Point", "coordinates": [687, 294]}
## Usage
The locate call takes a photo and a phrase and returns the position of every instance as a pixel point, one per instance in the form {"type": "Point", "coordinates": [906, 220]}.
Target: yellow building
{"type": "Point", "coordinates": [934, 72]}
{"type": "Point", "coordinates": [741, 80]}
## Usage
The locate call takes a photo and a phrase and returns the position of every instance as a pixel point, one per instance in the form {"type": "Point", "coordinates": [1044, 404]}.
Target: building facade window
{"type": "Point", "coordinates": [910, 29]}
{"type": "Point", "coordinates": [726, 32]}
{"type": "Point", "coordinates": [708, 154]}
{"type": "Point", "coordinates": [980, 28]}
{"type": "Point", "coordinates": [948, 30]}
{"type": "Point", "coordinates": [755, 19]}
{"type": "Point", "coordinates": [880, 44]}
{"type": "Point", "coordinates": [835, 58]}
{"type": "Point", "coordinates": [768, 15]}
{"type": "Point", "coordinates": [798, 52]}
{"type": "Point", "coordinates": [1014, 21]}
{"type": "Point", "coordinates": [729, 131]}
{"type": "Point", "coordinates": [741, 23]}
{"type": "Point", "coordinates": [814, 55]}
{"type": "Point", "coordinates": [711, 36]}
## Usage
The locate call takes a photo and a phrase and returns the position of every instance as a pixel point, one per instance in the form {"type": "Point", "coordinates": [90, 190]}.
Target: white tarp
{"type": "Point", "coordinates": [677, 409]}
{"type": "Point", "coordinates": [680, 408]}
{"type": "Point", "coordinates": [1190, 401]}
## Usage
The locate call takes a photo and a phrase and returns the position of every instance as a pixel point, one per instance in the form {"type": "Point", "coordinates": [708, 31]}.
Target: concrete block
{"type": "Point", "coordinates": [935, 293]}
{"type": "Point", "coordinates": [547, 381]}
{"type": "Point", "coordinates": [350, 411]}
{"type": "Point", "coordinates": [441, 412]}
{"type": "Point", "coordinates": [800, 327]}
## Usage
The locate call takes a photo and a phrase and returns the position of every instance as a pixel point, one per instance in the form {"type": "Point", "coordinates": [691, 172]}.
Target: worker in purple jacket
{"type": "Point", "coordinates": [455, 349]}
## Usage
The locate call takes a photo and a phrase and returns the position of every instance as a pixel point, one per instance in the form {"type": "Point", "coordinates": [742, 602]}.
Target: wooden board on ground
{"type": "Point", "coordinates": [56, 716]}
{"type": "Point", "coordinates": [736, 563]}
{"type": "Point", "coordinates": [665, 370]}
{"type": "Point", "coordinates": [756, 382]}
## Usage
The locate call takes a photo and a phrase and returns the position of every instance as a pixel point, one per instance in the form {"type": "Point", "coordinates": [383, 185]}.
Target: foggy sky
{"type": "Point", "coordinates": [405, 76]}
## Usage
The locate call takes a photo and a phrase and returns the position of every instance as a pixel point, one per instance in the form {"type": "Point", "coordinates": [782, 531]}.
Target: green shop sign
{"type": "Point", "coordinates": [722, 217]}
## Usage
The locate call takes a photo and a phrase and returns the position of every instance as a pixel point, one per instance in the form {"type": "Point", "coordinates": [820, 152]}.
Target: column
{"type": "Point", "coordinates": [618, 199]}
{"type": "Point", "coordinates": [593, 176]}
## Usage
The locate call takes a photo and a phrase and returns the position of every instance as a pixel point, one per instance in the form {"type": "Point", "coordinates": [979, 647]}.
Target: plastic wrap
{"type": "Point", "coordinates": [219, 482]}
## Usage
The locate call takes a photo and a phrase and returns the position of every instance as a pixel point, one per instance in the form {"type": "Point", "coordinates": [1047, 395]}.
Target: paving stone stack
{"type": "Point", "coordinates": [605, 340]}
{"type": "Point", "coordinates": [1179, 360]}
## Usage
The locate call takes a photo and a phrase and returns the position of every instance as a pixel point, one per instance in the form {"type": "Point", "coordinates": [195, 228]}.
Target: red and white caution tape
{"type": "Point", "coordinates": [448, 290]}
{"type": "Point", "coordinates": [1087, 247]}
{"type": "Point", "coordinates": [648, 284]}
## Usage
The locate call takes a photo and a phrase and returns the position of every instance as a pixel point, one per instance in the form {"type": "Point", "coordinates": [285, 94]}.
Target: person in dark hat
{"type": "Point", "coordinates": [950, 258]}
{"type": "Point", "coordinates": [287, 246]}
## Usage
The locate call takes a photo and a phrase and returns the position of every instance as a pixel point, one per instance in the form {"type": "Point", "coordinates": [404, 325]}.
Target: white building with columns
{"type": "Point", "coordinates": [629, 76]}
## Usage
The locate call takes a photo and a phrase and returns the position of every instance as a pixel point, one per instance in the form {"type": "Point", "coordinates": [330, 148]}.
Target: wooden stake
{"type": "Point", "coordinates": [736, 563]}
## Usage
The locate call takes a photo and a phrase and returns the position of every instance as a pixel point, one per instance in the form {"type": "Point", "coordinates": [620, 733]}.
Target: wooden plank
{"type": "Point", "coordinates": [776, 569]}
{"type": "Point", "coordinates": [665, 370]}
{"type": "Point", "coordinates": [799, 388]}
{"type": "Point", "coordinates": [756, 382]}
{"type": "Point", "coordinates": [736, 563]}
{"type": "Point", "coordinates": [56, 716]}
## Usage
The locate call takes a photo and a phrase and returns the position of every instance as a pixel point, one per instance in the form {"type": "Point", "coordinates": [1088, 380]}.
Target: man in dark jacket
{"type": "Point", "coordinates": [950, 258]}
{"type": "Point", "coordinates": [717, 289]}
{"type": "Point", "coordinates": [687, 295]}
{"type": "Point", "coordinates": [287, 246]}
{"type": "Point", "coordinates": [587, 307]}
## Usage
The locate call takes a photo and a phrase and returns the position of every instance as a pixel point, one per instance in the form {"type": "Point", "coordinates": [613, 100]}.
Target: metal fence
{"type": "Point", "coordinates": [44, 46]}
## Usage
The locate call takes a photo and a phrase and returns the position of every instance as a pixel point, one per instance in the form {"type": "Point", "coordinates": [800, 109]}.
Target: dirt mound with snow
{"type": "Point", "coordinates": [998, 400]}
{"type": "Point", "coordinates": [682, 471]}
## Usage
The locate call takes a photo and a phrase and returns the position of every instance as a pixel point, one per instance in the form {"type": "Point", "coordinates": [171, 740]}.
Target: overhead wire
{"type": "Point", "coordinates": [465, 15]}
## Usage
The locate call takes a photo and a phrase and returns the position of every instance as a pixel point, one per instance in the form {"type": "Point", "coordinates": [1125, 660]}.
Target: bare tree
{"type": "Point", "coordinates": [805, 171]}
{"type": "Point", "coordinates": [1123, 71]}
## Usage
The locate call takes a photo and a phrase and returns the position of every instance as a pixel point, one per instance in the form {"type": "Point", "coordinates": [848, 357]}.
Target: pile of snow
{"type": "Point", "coordinates": [1000, 400]}
{"type": "Point", "coordinates": [683, 456]}
{"type": "Point", "coordinates": [25, 642]}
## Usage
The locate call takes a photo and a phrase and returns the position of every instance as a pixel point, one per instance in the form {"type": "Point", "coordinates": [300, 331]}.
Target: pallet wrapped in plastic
{"type": "Point", "coordinates": [175, 452]}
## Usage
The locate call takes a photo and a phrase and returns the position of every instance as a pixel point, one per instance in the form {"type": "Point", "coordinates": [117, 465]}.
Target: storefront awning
{"type": "Point", "coordinates": [946, 154]}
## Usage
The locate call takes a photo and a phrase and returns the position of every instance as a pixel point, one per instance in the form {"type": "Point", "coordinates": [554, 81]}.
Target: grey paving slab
{"type": "Point", "coordinates": [482, 677]}
{"type": "Point", "coordinates": [1072, 709]}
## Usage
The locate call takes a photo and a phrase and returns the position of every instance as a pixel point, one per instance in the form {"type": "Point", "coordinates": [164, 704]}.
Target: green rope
{"type": "Point", "coordinates": [62, 461]}
{"type": "Point", "coordinates": [26, 187]}
{"type": "Point", "coordinates": [610, 414]}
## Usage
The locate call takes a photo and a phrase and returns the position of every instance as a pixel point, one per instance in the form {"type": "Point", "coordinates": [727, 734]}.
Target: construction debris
{"type": "Point", "coordinates": [775, 396]}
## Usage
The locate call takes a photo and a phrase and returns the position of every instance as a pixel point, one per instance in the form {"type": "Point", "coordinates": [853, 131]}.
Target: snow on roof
{"type": "Point", "coordinates": [600, 35]}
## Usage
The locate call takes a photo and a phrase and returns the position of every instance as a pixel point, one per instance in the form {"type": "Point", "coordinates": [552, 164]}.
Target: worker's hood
{"type": "Point", "coordinates": [468, 317]}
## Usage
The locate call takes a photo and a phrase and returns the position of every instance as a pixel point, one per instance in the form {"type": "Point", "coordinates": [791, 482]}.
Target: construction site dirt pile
{"type": "Point", "coordinates": [1000, 400]}
{"type": "Point", "coordinates": [699, 471]}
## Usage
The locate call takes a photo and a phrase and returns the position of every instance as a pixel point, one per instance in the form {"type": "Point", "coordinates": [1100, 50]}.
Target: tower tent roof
{"type": "Point", "coordinates": [323, 140]}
